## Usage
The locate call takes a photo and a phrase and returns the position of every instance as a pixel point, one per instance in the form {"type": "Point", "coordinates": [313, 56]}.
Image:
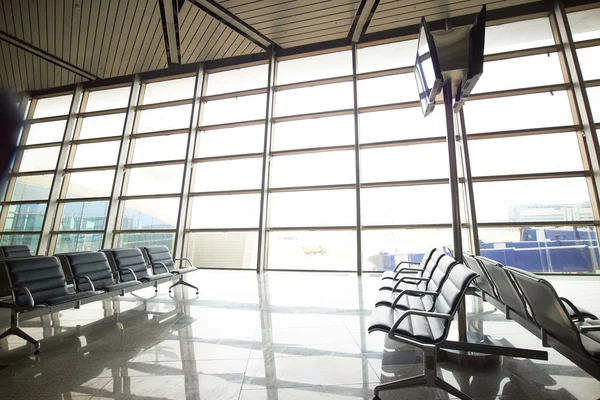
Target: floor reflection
{"type": "Point", "coordinates": [275, 336]}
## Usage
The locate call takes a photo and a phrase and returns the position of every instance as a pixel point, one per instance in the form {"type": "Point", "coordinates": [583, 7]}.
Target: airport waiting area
{"type": "Point", "coordinates": [275, 200]}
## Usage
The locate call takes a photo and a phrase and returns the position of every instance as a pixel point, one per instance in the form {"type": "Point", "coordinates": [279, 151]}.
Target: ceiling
{"type": "Point", "coordinates": [52, 43]}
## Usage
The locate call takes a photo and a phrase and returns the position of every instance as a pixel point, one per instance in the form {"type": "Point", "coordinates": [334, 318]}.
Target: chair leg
{"type": "Point", "coordinates": [184, 283]}
{"type": "Point", "coordinates": [442, 384]}
{"type": "Point", "coordinates": [13, 330]}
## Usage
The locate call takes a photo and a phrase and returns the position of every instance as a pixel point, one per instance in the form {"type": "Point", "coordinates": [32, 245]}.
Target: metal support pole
{"type": "Point", "coordinates": [456, 229]}
{"type": "Point", "coordinates": [113, 204]}
{"type": "Point", "coordinates": [266, 169]}
{"type": "Point", "coordinates": [61, 164]}
{"type": "Point", "coordinates": [179, 248]}
{"type": "Point", "coordinates": [357, 160]}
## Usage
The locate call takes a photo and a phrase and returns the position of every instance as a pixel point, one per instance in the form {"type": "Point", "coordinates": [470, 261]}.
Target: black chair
{"type": "Point", "coordinates": [91, 271]}
{"type": "Point", "coordinates": [15, 251]}
{"type": "Point", "coordinates": [416, 293]}
{"type": "Point", "coordinates": [577, 340]}
{"type": "Point", "coordinates": [162, 255]}
{"type": "Point", "coordinates": [425, 272]}
{"type": "Point", "coordinates": [131, 265]}
{"type": "Point", "coordinates": [401, 266]}
{"type": "Point", "coordinates": [425, 330]}
{"type": "Point", "coordinates": [37, 282]}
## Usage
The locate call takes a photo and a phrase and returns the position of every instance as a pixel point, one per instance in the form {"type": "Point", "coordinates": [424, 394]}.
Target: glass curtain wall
{"type": "Point", "coordinates": [533, 200]}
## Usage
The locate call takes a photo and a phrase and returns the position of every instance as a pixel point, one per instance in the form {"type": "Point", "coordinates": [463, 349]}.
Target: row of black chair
{"type": "Point", "coordinates": [39, 285]}
{"type": "Point", "coordinates": [534, 303]}
{"type": "Point", "coordinates": [418, 309]}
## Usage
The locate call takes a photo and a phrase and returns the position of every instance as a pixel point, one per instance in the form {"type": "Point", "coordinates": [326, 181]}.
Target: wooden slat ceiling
{"type": "Point", "coordinates": [88, 39]}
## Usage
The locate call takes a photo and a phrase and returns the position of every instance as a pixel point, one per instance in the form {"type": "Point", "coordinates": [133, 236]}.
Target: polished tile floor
{"type": "Point", "coordinates": [278, 336]}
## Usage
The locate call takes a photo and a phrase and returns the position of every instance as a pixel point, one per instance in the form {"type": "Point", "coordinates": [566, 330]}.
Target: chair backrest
{"type": "Point", "coordinates": [439, 275]}
{"type": "Point", "coordinates": [451, 294]}
{"type": "Point", "coordinates": [43, 276]}
{"type": "Point", "coordinates": [157, 255]}
{"type": "Point", "coordinates": [94, 265]}
{"type": "Point", "coordinates": [547, 309]}
{"type": "Point", "coordinates": [483, 281]}
{"type": "Point", "coordinates": [15, 251]}
{"type": "Point", "coordinates": [432, 263]}
{"type": "Point", "coordinates": [507, 290]}
{"type": "Point", "coordinates": [127, 258]}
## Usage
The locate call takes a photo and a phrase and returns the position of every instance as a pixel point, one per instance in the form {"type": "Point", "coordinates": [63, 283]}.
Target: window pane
{"type": "Point", "coordinates": [326, 168]}
{"type": "Point", "coordinates": [315, 132]}
{"type": "Point", "coordinates": [150, 214]}
{"type": "Point", "coordinates": [102, 126]}
{"type": "Point", "coordinates": [29, 240]}
{"type": "Point", "coordinates": [246, 108]}
{"type": "Point", "coordinates": [526, 112]}
{"type": "Point", "coordinates": [223, 249]}
{"type": "Point", "coordinates": [387, 56]}
{"type": "Point", "coordinates": [160, 148]}
{"type": "Point", "coordinates": [387, 90]}
{"type": "Point", "coordinates": [318, 208]}
{"type": "Point", "coordinates": [155, 180]}
{"type": "Point", "coordinates": [127, 240]}
{"type": "Point", "coordinates": [25, 217]}
{"type": "Point", "coordinates": [406, 205]}
{"type": "Point", "coordinates": [228, 175]}
{"type": "Point", "coordinates": [525, 154]}
{"type": "Point", "coordinates": [564, 249]}
{"type": "Point", "coordinates": [237, 80]}
{"type": "Point", "coordinates": [90, 184]}
{"type": "Point", "coordinates": [594, 96]}
{"type": "Point", "coordinates": [84, 216]}
{"type": "Point", "coordinates": [46, 132]}
{"type": "Point", "coordinates": [39, 159]}
{"type": "Point", "coordinates": [224, 142]}
{"type": "Point", "coordinates": [514, 73]}
{"type": "Point", "coordinates": [163, 119]}
{"type": "Point", "coordinates": [403, 163]}
{"type": "Point", "coordinates": [518, 35]}
{"type": "Point", "coordinates": [52, 106]}
{"type": "Point", "coordinates": [96, 154]}
{"type": "Point", "coordinates": [585, 24]}
{"type": "Point", "coordinates": [335, 96]}
{"type": "Point", "coordinates": [588, 58]}
{"type": "Point", "coordinates": [176, 89]}
{"type": "Point", "coordinates": [384, 249]}
{"type": "Point", "coordinates": [71, 243]}
{"type": "Point", "coordinates": [315, 67]}
{"type": "Point", "coordinates": [107, 99]}
{"type": "Point", "coordinates": [35, 187]}
{"type": "Point", "coordinates": [231, 211]}
{"type": "Point", "coordinates": [539, 200]}
{"type": "Point", "coordinates": [407, 123]}
{"type": "Point", "coordinates": [315, 250]}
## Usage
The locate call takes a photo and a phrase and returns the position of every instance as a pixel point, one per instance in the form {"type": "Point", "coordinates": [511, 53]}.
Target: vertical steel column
{"type": "Point", "coordinates": [113, 204]}
{"type": "Point", "coordinates": [456, 228]}
{"type": "Point", "coordinates": [179, 247]}
{"type": "Point", "coordinates": [357, 160]}
{"type": "Point", "coordinates": [266, 169]}
{"type": "Point", "coordinates": [471, 214]}
{"type": "Point", "coordinates": [61, 164]}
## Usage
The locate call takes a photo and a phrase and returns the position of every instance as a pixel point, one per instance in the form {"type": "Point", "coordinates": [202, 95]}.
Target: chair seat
{"type": "Point", "coordinates": [69, 297]}
{"type": "Point", "coordinates": [424, 329]}
{"type": "Point", "coordinates": [121, 285]}
{"type": "Point", "coordinates": [387, 297]}
{"type": "Point", "coordinates": [186, 270]}
{"type": "Point", "coordinates": [155, 277]}
{"type": "Point", "coordinates": [591, 340]}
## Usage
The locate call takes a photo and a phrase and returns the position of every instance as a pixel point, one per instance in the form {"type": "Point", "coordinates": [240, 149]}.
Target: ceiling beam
{"type": "Point", "coordinates": [169, 10]}
{"type": "Point", "coordinates": [362, 19]}
{"type": "Point", "coordinates": [226, 17]}
{"type": "Point", "coordinates": [31, 49]}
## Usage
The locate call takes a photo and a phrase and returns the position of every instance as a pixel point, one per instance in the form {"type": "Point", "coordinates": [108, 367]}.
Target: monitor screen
{"type": "Point", "coordinates": [427, 70]}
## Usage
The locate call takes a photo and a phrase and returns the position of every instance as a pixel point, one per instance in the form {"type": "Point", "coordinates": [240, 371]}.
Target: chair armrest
{"type": "Point", "coordinates": [86, 279]}
{"type": "Point", "coordinates": [159, 264]}
{"type": "Point", "coordinates": [410, 279]}
{"type": "Point", "coordinates": [406, 262]}
{"type": "Point", "coordinates": [187, 260]}
{"type": "Point", "coordinates": [129, 270]}
{"type": "Point", "coordinates": [419, 313]}
{"type": "Point", "coordinates": [574, 307]}
{"type": "Point", "coordinates": [14, 291]}
{"type": "Point", "coordinates": [413, 293]}
{"type": "Point", "coordinates": [589, 328]}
